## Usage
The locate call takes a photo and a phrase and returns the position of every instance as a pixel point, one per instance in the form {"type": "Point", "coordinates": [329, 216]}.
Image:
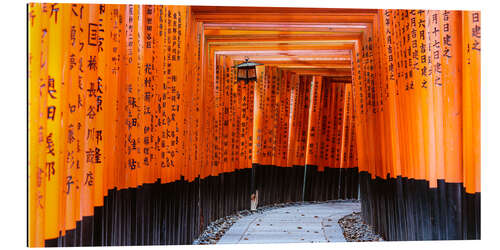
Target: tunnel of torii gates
{"type": "Point", "coordinates": [139, 133]}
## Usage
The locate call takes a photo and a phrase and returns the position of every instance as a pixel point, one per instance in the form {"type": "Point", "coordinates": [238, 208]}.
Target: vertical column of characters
{"type": "Point", "coordinates": [388, 75]}
{"type": "Point", "coordinates": [382, 92]}
{"type": "Point", "coordinates": [156, 95]}
{"type": "Point", "coordinates": [382, 96]}
{"type": "Point", "coordinates": [97, 37]}
{"type": "Point", "coordinates": [415, 154]}
{"type": "Point", "coordinates": [339, 120]}
{"type": "Point", "coordinates": [345, 127]}
{"type": "Point", "coordinates": [364, 108]}
{"type": "Point", "coordinates": [395, 66]}
{"type": "Point", "coordinates": [284, 107]}
{"type": "Point", "coordinates": [233, 106]}
{"type": "Point", "coordinates": [285, 114]}
{"type": "Point", "coordinates": [266, 92]}
{"type": "Point", "coordinates": [53, 86]}
{"type": "Point", "coordinates": [292, 123]}
{"type": "Point", "coordinates": [391, 91]}
{"type": "Point", "coordinates": [174, 94]}
{"type": "Point", "coordinates": [37, 25]}
{"type": "Point", "coordinates": [266, 125]}
{"type": "Point", "coordinates": [202, 109]}
{"type": "Point", "coordinates": [249, 114]}
{"type": "Point", "coordinates": [279, 103]}
{"type": "Point", "coordinates": [113, 38]}
{"type": "Point", "coordinates": [77, 122]}
{"type": "Point", "coordinates": [89, 76]}
{"type": "Point", "coordinates": [304, 88]}
{"type": "Point", "coordinates": [471, 93]}
{"type": "Point", "coordinates": [312, 130]}
{"type": "Point", "coordinates": [198, 100]}
{"type": "Point", "coordinates": [275, 104]}
{"type": "Point", "coordinates": [162, 106]}
{"type": "Point", "coordinates": [68, 107]}
{"type": "Point", "coordinates": [224, 115]}
{"type": "Point", "coordinates": [395, 28]}
{"type": "Point", "coordinates": [298, 110]}
{"type": "Point", "coordinates": [372, 113]}
{"type": "Point", "coordinates": [405, 93]}
{"type": "Point", "coordinates": [226, 112]}
{"type": "Point", "coordinates": [211, 95]}
{"type": "Point", "coordinates": [425, 128]}
{"type": "Point", "coordinates": [385, 102]}
{"type": "Point", "coordinates": [415, 92]}
{"type": "Point", "coordinates": [322, 125]}
{"type": "Point", "coordinates": [217, 150]}
{"type": "Point", "coordinates": [140, 89]}
{"type": "Point", "coordinates": [206, 110]}
{"type": "Point", "coordinates": [188, 99]}
{"type": "Point", "coordinates": [131, 106]}
{"type": "Point", "coordinates": [330, 123]}
{"type": "Point", "coordinates": [258, 110]}
{"type": "Point", "coordinates": [275, 117]}
{"type": "Point", "coordinates": [125, 54]}
{"type": "Point", "coordinates": [148, 83]}
{"type": "Point", "coordinates": [349, 141]}
{"type": "Point", "coordinates": [307, 80]}
{"type": "Point", "coordinates": [423, 66]}
{"type": "Point", "coordinates": [62, 11]}
{"type": "Point", "coordinates": [243, 130]}
{"type": "Point", "coordinates": [272, 118]}
{"type": "Point", "coordinates": [400, 26]}
{"type": "Point", "coordinates": [353, 150]}
{"type": "Point", "coordinates": [168, 85]}
{"type": "Point", "coordinates": [358, 103]}
{"type": "Point", "coordinates": [334, 116]}
{"type": "Point", "coordinates": [178, 79]}
{"type": "Point", "coordinates": [235, 116]}
{"type": "Point", "coordinates": [365, 74]}
{"type": "Point", "coordinates": [181, 78]}
{"type": "Point", "coordinates": [335, 113]}
{"type": "Point", "coordinates": [377, 100]}
{"type": "Point", "coordinates": [230, 115]}
{"type": "Point", "coordinates": [451, 58]}
{"type": "Point", "coordinates": [434, 71]}
{"type": "Point", "coordinates": [182, 34]}
{"type": "Point", "coordinates": [110, 101]}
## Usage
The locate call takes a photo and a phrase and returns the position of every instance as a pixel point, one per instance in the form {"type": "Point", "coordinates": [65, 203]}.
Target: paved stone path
{"type": "Point", "coordinates": [304, 223]}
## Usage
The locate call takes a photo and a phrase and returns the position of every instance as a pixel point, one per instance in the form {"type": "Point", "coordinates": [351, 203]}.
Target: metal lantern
{"type": "Point", "coordinates": [247, 71]}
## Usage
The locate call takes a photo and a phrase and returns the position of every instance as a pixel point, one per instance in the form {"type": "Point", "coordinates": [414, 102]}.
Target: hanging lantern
{"type": "Point", "coordinates": [247, 71]}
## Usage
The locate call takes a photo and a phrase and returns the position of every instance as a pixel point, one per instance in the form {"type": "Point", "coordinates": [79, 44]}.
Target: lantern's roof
{"type": "Point", "coordinates": [247, 64]}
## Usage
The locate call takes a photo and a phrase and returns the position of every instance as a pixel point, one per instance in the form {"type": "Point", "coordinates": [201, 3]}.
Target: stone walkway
{"type": "Point", "coordinates": [305, 223]}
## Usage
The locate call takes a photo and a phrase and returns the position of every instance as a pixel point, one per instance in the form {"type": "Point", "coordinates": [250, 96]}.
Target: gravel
{"type": "Point", "coordinates": [215, 230]}
{"type": "Point", "coordinates": [356, 230]}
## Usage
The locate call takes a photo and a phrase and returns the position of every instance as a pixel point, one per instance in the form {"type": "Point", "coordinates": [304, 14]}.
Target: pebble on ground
{"type": "Point", "coordinates": [356, 230]}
